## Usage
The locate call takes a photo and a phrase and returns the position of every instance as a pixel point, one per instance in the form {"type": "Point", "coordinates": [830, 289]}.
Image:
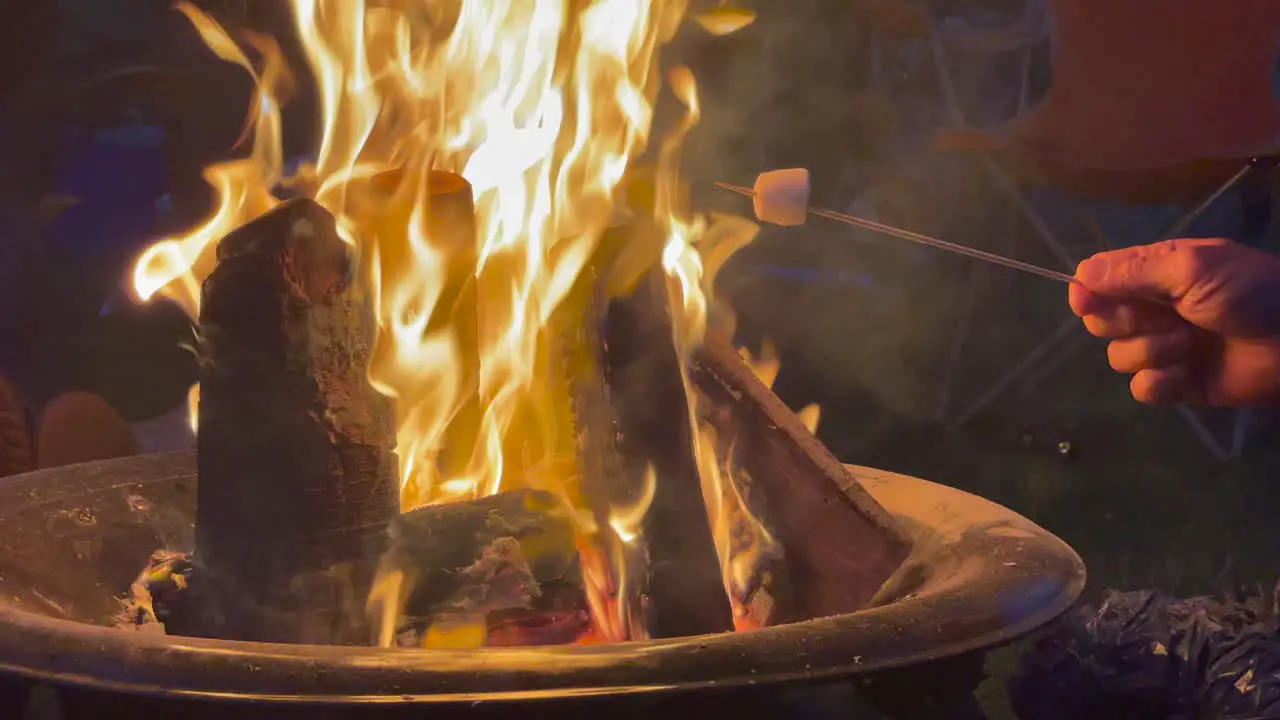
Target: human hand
{"type": "Point", "coordinates": [1194, 320]}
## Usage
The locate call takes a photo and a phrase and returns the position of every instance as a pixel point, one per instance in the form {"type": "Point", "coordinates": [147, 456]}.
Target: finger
{"type": "Point", "coordinates": [1084, 301]}
{"type": "Point", "coordinates": [1162, 386]}
{"type": "Point", "coordinates": [1164, 270]}
{"type": "Point", "coordinates": [1126, 319]}
{"type": "Point", "coordinates": [1134, 354]}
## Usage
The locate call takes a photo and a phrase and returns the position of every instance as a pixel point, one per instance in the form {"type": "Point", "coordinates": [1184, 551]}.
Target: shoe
{"type": "Point", "coordinates": [15, 434]}
{"type": "Point", "coordinates": [78, 427]}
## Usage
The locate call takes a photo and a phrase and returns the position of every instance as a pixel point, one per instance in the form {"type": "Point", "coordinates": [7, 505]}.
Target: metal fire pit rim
{"type": "Point", "coordinates": [879, 638]}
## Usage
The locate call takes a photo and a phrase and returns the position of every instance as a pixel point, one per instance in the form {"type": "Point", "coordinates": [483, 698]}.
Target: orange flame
{"type": "Point", "coordinates": [542, 106]}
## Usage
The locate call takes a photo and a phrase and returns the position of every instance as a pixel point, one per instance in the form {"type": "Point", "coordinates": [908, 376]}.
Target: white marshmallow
{"type": "Point", "coordinates": [782, 197]}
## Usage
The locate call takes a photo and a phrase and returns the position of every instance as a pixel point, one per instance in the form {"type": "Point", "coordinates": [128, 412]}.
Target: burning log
{"type": "Point", "coordinates": [496, 562]}
{"type": "Point", "coordinates": [686, 592]}
{"type": "Point", "coordinates": [841, 546]}
{"type": "Point", "coordinates": [297, 477]}
{"type": "Point", "coordinates": [498, 570]}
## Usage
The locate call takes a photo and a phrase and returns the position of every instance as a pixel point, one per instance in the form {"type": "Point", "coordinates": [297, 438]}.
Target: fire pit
{"type": "Point", "coordinates": [470, 426]}
{"type": "Point", "coordinates": [72, 540]}
{"type": "Point", "coordinates": [707, 541]}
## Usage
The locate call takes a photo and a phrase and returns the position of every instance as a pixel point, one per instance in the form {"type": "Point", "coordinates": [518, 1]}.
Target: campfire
{"type": "Point", "coordinates": [464, 379]}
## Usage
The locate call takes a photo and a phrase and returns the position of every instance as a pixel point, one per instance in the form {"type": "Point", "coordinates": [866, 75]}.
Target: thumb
{"type": "Point", "coordinates": [1167, 269]}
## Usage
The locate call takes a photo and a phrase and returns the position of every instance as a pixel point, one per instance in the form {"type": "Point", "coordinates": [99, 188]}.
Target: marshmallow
{"type": "Point", "coordinates": [782, 197]}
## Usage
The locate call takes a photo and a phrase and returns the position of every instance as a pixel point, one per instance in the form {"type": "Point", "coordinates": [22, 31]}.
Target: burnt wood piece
{"type": "Point", "coordinates": [686, 592]}
{"type": "Point", "coordinates": [510, 558]}
{"type": "Point", "coordinates": [297, 476]}
{"type": "Point", "coordinates": [482, 556]}
{"type": "Point", "coordinates": [578, 348]}
{"type": "Point", "coordinates": [841, 545]}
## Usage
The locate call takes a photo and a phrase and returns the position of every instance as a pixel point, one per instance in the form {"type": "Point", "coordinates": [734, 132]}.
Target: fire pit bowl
{"type": "Point", "coordinates": [72, 540]}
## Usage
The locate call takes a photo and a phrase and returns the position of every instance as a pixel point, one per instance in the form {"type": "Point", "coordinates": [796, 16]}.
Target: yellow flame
{"type": "Point", "coordinates": [809, 416]}
{"type": "Point", "coordinates": [625, 520]}
{"type": "Point", "coordinates": [193, 407]}
{"type": "Point", "coordinates": [542, 107]}
{"type": "Point", "coordinates": [386, 598]}
{"type": "Point", "coordinates": [725, 19]}
{"type": "Point", "coordinates": [739, 536]}
{"type": "Point", "coordinates": [176, 266]}
{"type": "Point", "coordinates": [461, 634]}
{"type": "Point", "coordinates": [607, 568]}
{"type": "Point", "coordinates": [765, 367]}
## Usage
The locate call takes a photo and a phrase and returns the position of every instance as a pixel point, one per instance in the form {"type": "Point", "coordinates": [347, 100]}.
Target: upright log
{"type": "Point", "coordinates": [297, 476]}
{"type": "Point", "coordinates": [840, 544]}
{"type": "Point", "coordinates": [686, 589]}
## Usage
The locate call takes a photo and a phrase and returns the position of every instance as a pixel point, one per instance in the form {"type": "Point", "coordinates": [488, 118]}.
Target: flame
{"type": "Point", "coordinates": [474, 152]}
{"type": "Point", "coordinates": [386, 597]}
{"type": "Point", "coordinates": [616, 604]}
{"type": "Point", "coordinates": [725, 19]}
{"type": "Point", "coordinates": [740, 538]}
{"type": "Point", "coordinates": [176, 266]}
{"type": "Point", "coordinates": [193, 407]}
{"type": "Point", "coordinates": [810, 415]}
{"type": "Point", "coordinates": [766, 368]}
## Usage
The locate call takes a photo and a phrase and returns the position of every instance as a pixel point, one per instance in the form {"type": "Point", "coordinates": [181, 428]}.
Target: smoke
{"type": "Point", "coordinates": [855, 314]}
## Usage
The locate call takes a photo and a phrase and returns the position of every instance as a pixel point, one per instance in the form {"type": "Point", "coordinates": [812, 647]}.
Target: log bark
{"type": "Point", "coordinates": [297, 476]}
{"type": "Point", "coordinates": [840, 544]}
{"type": "Point", "coordinates": [686, 592]}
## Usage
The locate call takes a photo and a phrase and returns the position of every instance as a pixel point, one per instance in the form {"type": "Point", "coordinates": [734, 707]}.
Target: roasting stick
{"type": "Point", "coordinates": [913, 237]}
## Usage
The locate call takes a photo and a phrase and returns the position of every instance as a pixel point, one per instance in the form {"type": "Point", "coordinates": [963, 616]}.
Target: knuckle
{"type": "Point", "coordinates": [1194, 263]}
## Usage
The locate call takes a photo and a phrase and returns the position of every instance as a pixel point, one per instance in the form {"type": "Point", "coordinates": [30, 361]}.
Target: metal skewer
{"type": "Point", "coordinates": [922, 239]}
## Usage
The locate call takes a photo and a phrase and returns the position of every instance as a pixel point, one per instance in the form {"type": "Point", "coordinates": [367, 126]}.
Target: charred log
{"type": "Point", "coordinates": [297, 477]}
{"type": "Point", "coordinates": [501, 560]}
{"type": "Point", "coordinates": [686, 592]}
{"type": "Point", "coordinates": [841, 545]}
{"type": "Point", "coordinates": [505, 567]}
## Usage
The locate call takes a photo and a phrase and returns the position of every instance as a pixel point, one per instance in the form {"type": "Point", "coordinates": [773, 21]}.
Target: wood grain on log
{"type": "Point", "coordinates": [297, 475]}
{"type": "Point", "coordinates": [840, 545]}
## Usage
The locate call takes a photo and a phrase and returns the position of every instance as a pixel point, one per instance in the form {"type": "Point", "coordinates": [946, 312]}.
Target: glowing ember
{"type": "Point", "coordinates": [543, 107]}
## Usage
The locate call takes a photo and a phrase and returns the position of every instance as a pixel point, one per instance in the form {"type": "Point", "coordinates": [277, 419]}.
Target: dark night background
{"type": "Point", "coordinates": [115, 103]}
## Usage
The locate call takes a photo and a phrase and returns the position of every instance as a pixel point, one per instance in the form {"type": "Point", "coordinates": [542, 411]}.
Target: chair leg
{"type": "Point", "coordinates": [1241, 431]}
{"type": "Point", "coordinates": [1202, 431]}
{"type": "Point", "coordinates": [1024, 367]}
{"type": "Point", "coordinates": [958, 341]}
